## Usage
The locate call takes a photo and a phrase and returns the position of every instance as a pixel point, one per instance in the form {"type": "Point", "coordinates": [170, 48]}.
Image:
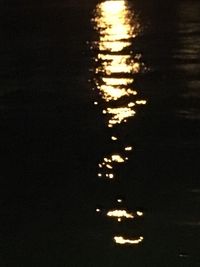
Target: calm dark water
{"type": "Point", "coordinates": [61, 125]}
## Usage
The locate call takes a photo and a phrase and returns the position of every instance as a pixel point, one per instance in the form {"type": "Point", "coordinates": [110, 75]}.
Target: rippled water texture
{"type": "Point", "coordinates": [100, 127]}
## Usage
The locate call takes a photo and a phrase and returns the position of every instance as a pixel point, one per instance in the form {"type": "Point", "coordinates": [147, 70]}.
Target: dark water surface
{"type": "Point", "coordinates": [100, 127]}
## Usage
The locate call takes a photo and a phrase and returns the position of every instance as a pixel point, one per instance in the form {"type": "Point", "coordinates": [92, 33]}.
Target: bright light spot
{"type": "Point", "coordinates": [95, 103]}
{"type": "Point", "coordinates": [139, 213]}
{"type": "Point", "coordinates": [120, 214]}
{"type": "Point", "coordinates": [119, 114]}
{"type": "Point", "coordinates": [114, 138]}
{"type": "Point", "coordinates": [116, 46]}
{"type": "Point", "coordinates": [117, 158]}
{"type": "Point", "coordinates": [98, 210]}
{"type": "Point", "coordinates": [131, 104]}
{"type": "Point", "coordinates": [141, 102]}
{"type": "Point", "coordinates": [116, 25]}
{"type": "Point", "coordinates": [99, 174]}
{"type": "Point", "coordinates": [123, 241]}
{"type": "Point", "coordinates": [109, 166]}
{"type": "Point", "coordinates": [119, 200]}
{"type": "Point", "coordinates": [128, 148]}
{"type": "Point", "coordinates": [117, 81]}
{"type": "Point", "coordinates": [110, 92]}
{"type": "Point", "coordinates": [111, 176]}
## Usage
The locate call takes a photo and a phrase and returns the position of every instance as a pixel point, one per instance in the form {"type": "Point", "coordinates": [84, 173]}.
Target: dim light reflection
{"type": "Point", "coordinates": [122, 241]}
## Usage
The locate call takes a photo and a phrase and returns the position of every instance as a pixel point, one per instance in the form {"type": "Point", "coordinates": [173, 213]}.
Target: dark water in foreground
{"type": "Point", "coordinates": [70, 155]}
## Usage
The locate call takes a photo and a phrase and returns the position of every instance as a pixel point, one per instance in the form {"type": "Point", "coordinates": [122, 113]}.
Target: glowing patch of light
{"type": "Point", "coordinates": [120, 214]}
{"type": "Point", "coordinates": [139, 213]}
{"type": "Point", "coordinates": [141, 102]}
{"type": "Point", "coordinates": [117, 81]}
{"type": "Point", "coordinates": [122, 241]}
{"type": "Point", "coordinates": [111, 176]}
{"type": "Point", "coordinates": [128, 148]}
{"type": "Point", "coordinates": [119, 115]}
{"type": "Point", "coordinates": [113, 46]}
{"type": "Point", "coordinates": [117, 158]}
{"type": "Point", "coordinates": [131, 104]}
{"type": "Point", "coordinates": [110, 92]}
{"type": "Point", "coordinates": [116, 26]}
{"type": "Point", "coordinates": [109, 166]}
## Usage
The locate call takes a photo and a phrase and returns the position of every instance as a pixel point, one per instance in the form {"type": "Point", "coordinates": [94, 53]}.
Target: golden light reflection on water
{"type": "Point", "coordinates": [117, 26]}
{"type": "Point", "coordinates": [116, 66]}
{"type": "Point", "coordinates": [114, 23]}
{"type": "Point", "coordinates": [119, 115]}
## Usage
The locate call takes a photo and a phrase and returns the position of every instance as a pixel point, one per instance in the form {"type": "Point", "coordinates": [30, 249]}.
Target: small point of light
{"type": "Point", "coordinates": [114, 138]}
{"type": "Point", "coordinates": [111, 176]}
{"type": "Point", "coordinates": [98, 210]}
{"type": "Point", "coordinates": [119, 200]}
{"type": "Point", "coordinates": [104, 111]}
{"type": "Point", "coordinates": [141, 102]}
{"type": "Point", "coordinates": [109, 166]}
{"type": "Point", "coordinates": [95, 103]}
{"type": "Point", "coordinates": [119, 219]}
{"type": "Point", "coordinates": [139, 213]}
{"type": "Point", "coordinates": [128, 148]}
{"type": "Point", "coordinates": [99, 174]}
{"type": "Point", "coordinates": [131, 104]}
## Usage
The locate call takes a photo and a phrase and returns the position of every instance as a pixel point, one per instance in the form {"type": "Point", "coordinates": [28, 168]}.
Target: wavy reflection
{"type": "Point", "coordinates": [115, 67]}
{"type": "Point", "coordinates": [114, 72]}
